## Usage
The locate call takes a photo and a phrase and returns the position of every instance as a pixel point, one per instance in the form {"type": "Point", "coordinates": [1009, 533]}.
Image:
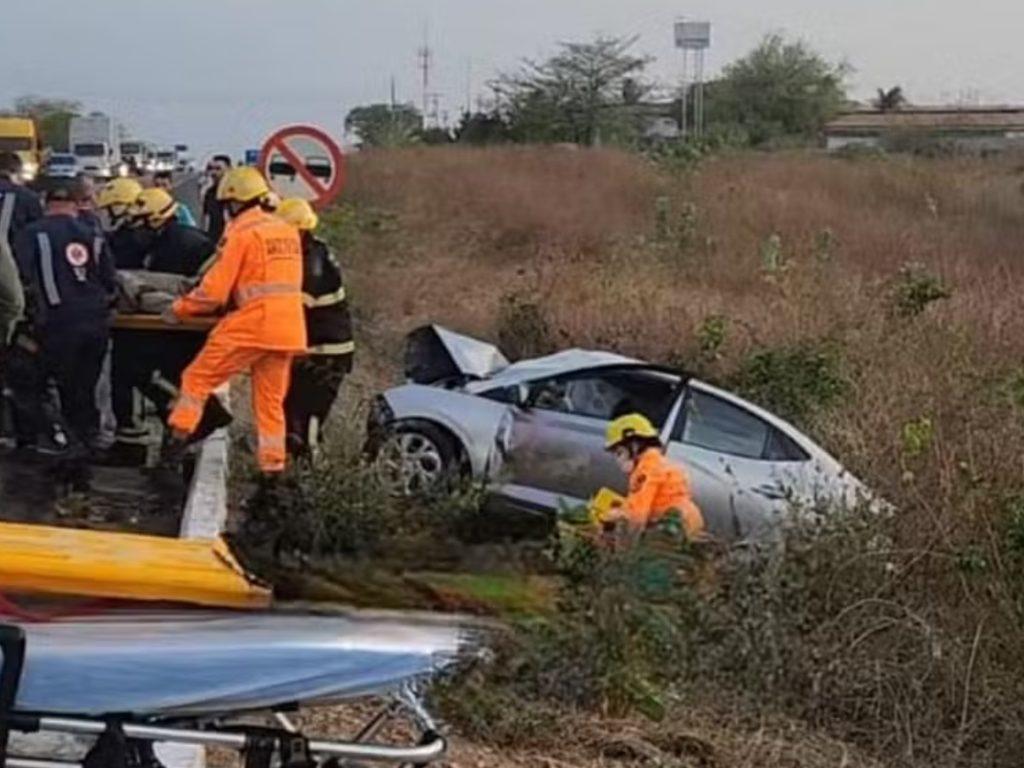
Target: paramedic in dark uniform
{"type": "Point", "coordinates": [69, 286]}
{"type": "Point", "coordinates": [317, 376]}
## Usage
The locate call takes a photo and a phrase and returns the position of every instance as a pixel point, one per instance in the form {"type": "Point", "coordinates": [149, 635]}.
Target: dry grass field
{"type": "Point", "coordinates": [875, 301]}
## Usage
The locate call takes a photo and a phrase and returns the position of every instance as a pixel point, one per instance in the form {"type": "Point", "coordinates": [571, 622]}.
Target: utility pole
{"type": "Point", "coordinates": [426, 61]}
{"type": "Point", "coordinates": [394, 105]}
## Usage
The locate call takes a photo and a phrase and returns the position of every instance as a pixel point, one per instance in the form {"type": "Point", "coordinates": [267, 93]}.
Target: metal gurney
{"type": "Point", "coordinates": [134, 679]}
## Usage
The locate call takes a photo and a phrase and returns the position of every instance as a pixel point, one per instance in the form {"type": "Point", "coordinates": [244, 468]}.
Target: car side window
{"type": "Point", "coordinates": [593, 397]}
{"type": "Point", "coordinates": [717, 425]}
{"type": "Point", "coordinates": [608, 395]}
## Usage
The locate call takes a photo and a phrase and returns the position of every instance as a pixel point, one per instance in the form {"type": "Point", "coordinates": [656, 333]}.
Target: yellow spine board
{"type": "Point", "coordinates": [63, 561]}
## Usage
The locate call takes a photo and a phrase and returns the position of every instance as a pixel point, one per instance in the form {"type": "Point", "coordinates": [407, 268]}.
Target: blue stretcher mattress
{"type": "Point", "coordinates": [160, 665]}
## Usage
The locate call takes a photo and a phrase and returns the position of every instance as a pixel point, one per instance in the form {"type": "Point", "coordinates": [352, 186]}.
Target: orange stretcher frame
{"type": "Point", "coordinates": [156, 323]}
{"type": "Point", "coordinates": [44, 560]}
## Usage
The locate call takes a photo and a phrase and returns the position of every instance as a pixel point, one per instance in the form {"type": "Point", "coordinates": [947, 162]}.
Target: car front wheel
{"type": "Point", "coordinates": [416, 459]}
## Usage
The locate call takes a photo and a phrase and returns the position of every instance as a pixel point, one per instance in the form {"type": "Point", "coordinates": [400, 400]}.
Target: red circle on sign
{"type": "Point", "coordinates": [325, 194]}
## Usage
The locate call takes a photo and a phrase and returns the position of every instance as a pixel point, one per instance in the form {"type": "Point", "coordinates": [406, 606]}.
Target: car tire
{"type": "Point", "coordinates": [417, 458]}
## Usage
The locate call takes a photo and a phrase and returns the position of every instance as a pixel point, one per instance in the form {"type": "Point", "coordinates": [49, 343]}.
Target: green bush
{"type": "Point", "coordinates": [916, 289]}
{"type": "Point", "coordinates": [794, 382]}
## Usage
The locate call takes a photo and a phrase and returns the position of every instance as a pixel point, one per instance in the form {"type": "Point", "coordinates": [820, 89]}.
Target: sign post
{"type": "Point", "coordinates": [693, 38]}
{"type": "Point", "coordinates": [303, 161]}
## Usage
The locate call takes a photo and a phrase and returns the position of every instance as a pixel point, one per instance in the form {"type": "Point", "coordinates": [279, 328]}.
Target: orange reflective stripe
{"type": "Point", "coordinates": [248, 293]}
{"type": "Point", "coordinates": [199, 296]}
{"type": "Point", "coordinates": [271, 443]}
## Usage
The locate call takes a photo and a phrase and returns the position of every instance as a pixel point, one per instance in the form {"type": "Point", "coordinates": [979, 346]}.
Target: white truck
{"type": "Point", "coordinates": [94, 140]}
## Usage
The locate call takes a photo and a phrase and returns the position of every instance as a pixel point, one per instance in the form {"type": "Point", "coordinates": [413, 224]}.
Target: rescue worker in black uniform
{"type": "Point", "coordinates": [152, 362]}
{"type": "Point", "coordinates": [317, 377]}
{"type": "Point", "coordinates": [175, 248]}
{"type": "Point", "coordinates": [128, 242]}
{"type": "Point", "coordinates": [69, 286]}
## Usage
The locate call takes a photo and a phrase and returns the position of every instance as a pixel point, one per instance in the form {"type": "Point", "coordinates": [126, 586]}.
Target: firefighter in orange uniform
{"type": "Point", "coordinates": [257, 278]}
{"type": "Point", "coordinates": [658, 489]}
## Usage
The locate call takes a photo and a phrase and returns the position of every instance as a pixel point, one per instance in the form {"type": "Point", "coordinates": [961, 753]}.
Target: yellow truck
{"type": "Point", "coordinates": [19, 135]}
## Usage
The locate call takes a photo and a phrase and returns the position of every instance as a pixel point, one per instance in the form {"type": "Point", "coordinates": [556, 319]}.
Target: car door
{"type": "Point", "coordinates": [745, 472]}
{"type": "Point", "coordinates": [555, 446]}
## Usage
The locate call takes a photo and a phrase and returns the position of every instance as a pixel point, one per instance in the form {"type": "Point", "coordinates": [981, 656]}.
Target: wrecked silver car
{"type": "Point", "coordinates": [533, 431]}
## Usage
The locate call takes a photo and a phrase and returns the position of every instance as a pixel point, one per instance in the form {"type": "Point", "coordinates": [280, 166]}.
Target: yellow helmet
{"type": "Point", "coordinates": [117, 195]}
{"type": "Point", "coordinates": [243, 185]}
{"type": "Point", "coordinates": [154, 206]}
{"type": "Point", "coordinates": [298, 213]}
{"type": "Point", "coordinates": [633, 425]}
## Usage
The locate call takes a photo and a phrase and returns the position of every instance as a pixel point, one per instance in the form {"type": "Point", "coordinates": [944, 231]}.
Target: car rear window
{"type": "Point", "coordinates": [716, 425]}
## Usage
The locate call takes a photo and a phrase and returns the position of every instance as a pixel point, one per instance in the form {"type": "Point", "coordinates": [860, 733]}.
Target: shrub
{"type": "Point", "coordinates": [916, 289]}
{"type": "Point", "coordinates": [711, 337]}
{"type": "Point", "coordinates": [794, 381]}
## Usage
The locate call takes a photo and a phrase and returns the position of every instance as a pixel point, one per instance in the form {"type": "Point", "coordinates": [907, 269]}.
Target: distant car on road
{"type": "Point", "coordinates": [534, 430]}
{"type": "Point", "coordinates": [62, 165]}
{"type": "Point", "coordinates": [165, 160]}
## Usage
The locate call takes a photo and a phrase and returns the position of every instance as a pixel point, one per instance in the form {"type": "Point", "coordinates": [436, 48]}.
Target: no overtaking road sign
{"type": "Point", "coordinates": [303, 161]}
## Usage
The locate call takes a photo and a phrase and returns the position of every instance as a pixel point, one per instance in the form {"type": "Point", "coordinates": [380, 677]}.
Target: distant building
{"type": "Point", "coordinates": [974, 129]}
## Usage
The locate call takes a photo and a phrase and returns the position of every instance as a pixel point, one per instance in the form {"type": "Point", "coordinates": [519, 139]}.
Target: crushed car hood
{"type": "Point", "coordinates": [435, 354]}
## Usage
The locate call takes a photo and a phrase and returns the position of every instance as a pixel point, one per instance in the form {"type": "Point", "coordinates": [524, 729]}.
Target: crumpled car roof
{"type": "Point", "coordinates": [546, 367]}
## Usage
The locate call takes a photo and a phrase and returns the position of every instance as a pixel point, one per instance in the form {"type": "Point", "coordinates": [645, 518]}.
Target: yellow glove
{"type": "Point", "coordinates": [603, 504]}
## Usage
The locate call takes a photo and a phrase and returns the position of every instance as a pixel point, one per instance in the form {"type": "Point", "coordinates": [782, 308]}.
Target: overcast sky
{"type": "Point", "coordinates": [224, 73]}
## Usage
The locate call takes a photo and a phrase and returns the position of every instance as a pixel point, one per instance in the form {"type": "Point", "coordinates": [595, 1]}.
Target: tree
{"type": "Point", "coordinates": [52, 117]}
{"type": "Point", "coordinates": [383, 125]}
{"type": "Point", "coordinates": [890, 100]}
{"type": "Point", "coordinates": [577, 95]}
{"type": "Point", "coordinates": [435, 136]}
{"type": "Point", "coordinates": [781, 89]}
{"type": "Point", "coordinates": [481, 128]}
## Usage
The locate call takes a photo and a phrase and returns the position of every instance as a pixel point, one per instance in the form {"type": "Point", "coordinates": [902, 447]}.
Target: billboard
{"type": "Point", "coordinates": [693, 35]}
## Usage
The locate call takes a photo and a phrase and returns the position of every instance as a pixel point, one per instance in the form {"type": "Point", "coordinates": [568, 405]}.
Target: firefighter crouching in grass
{"type": "Point", "coordinates": [653, 539]}
{"type": "Point", "coordinates": [659, 490]}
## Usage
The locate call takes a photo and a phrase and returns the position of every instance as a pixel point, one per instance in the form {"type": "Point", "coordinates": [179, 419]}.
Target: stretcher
{"type": "Point", "coordinates": [133, 680]}
{"type": "Point", "coordinates": [139, 322]}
